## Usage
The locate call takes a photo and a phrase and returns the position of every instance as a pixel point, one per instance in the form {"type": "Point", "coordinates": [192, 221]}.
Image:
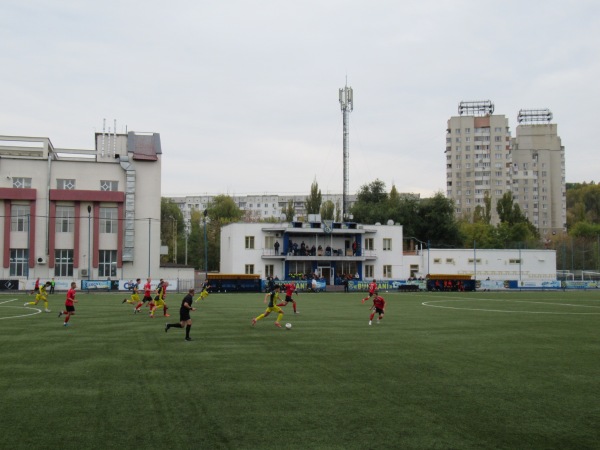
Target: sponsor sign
{"type": "Point", "coordinates": [581, 284]}
{"type": "Point", "coordinates": [95, 285]}
{"type": "Point", "coordinates": [9, 285]}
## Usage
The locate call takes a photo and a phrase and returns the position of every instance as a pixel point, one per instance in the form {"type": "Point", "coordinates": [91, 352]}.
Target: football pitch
{"type": "Point", "coordinates": [443, 370]}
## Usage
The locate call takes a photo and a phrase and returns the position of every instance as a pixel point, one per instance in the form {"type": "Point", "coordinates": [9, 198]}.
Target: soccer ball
{"type": "Point", "coordinates": [288, 326]}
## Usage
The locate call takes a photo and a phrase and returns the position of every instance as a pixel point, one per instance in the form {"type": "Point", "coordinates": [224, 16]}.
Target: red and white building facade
{"type": "Point", "coordinates": [74, 214]}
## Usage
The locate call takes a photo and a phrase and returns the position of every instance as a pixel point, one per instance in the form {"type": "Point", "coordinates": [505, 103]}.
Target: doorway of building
{"type": "Point", "coordinates": [326, 273]}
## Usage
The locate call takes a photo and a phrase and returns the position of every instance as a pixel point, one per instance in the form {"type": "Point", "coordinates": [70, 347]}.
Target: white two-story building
{"type": "Point", "coordinates": [333, 250]}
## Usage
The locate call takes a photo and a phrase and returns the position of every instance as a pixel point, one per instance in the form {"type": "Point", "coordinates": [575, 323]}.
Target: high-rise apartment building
{"type": "Point", "coordinates": [483, 159]}
{"type": "Point", "coordinates": [478, 157]}
{"type": "Point", "coordinates": [538, 171]}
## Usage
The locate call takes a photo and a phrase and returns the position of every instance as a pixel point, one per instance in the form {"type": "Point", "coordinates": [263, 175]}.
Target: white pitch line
{"type": "Point", "coordinates": [511, 311]}
{"type": "Point", "coordinates": [36, 311]}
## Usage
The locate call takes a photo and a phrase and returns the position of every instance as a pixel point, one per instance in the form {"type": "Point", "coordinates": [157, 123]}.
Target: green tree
{"type": "Point", "coordinates": [438, 224]}
{"type": "Point", "coordinates": [484, 234]}
{"type": "Point", "coordinates": [289, 211]}
{"type": "Point", "coordinates": [172, 229]}
{"type": "Point", "coordinates": [327, 210]}
{"type": "Point", "coordinates": [221, 211]}
{"type": "Point", "coordinates": [484, 213]}
{"type": "Point", "coordinates": [514, 229]}
{"type": "Point", "coordinates": [585, 229]}
{"type": "Point", "coordinates": [313, 201]}
{"type": "Point", "coordinates": [196, 240]}
{"type": "Point", "coordinates": [404, 209]}
{"type": "Point", "coordinates": [371, 203]}
{"type": "Point", "coordinates": [508, 211]}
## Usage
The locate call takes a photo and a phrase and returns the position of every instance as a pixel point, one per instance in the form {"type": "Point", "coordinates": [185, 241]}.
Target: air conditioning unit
{"type": "Point", "coordinates": [277, 234]}
{"type": "Point", "coordinates": [41, 260]}
{"type": "Point", "coordinates": [83, 272]}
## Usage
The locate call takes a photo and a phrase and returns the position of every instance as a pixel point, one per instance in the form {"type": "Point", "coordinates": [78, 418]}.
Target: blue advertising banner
{"type": "Point", "coordinates": [95, 285]}
{"type": "Point", "coordinates": [581, 284]}
{"type": "Point", "coordinates": [301, 285]}
{"type": "Point", "coordinates": [385, 285]}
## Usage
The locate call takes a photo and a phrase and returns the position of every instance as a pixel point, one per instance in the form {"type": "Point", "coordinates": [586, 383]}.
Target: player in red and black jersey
{"type": "Point", "coordinates": [147, 295]}
{"type": "Point", "coordinates": [372, 290]}
{"type": "Point", "coordinates": [377, 308]}
{"type": "Point", "coordinates": [290, 289]}
{"type": "Point", "coordinates": [69, 304]}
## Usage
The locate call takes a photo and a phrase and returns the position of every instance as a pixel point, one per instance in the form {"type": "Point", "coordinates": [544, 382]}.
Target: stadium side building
{"type": "Point", "coordinates": [80, 213]}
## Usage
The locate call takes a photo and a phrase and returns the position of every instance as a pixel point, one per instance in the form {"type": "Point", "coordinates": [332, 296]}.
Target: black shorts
{"type": "Point", "coordinates": [147, 299]}
{"type": "Point", "coordinates": [288, 298]}
{"type": "Point", "coordinates": [184, 315]}
{"type": "Point", "coordinates": [70, 308]}
{"type": "Point", "coordinates": [379, 311]}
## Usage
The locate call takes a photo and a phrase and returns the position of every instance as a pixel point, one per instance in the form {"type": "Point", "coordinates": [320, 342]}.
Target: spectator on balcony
{"type": "Point", "coordinates": [302, 249]}
{"type": "Point", "coordinates": [354, 247]}
{"type": "Point", "coordinates": [313, 251]}
{"type": "Point", "coordinates": [276, 246]}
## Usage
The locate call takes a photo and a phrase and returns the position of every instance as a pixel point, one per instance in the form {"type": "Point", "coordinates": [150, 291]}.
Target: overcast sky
{"type": "Point", "coordinates": [244, 94]}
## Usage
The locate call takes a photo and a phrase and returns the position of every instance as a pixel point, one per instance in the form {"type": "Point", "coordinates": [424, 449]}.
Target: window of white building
{"type": "Point", "coordinates": [65, 184]}
{"type": "Point", "coordinates": [19, 220]}
{"type": "Point", "coordinates": [387, 244]}
{"type": "Point", "coordinates": [108, 220]}
{"type": "Point", "coordinates": [18, 262]}
{"type": "Point", "coordinates": [387, 271]}
{"type": "Point", "coordinates": [65, 219]}
{"type": "Point", "coordinates": [107, 266]}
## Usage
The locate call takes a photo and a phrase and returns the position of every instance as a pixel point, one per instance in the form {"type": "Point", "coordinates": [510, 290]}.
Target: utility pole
{"type": "Point", "coordinates": [347, 105]}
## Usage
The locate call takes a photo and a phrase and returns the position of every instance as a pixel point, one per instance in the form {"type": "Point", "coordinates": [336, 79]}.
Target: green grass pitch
{"type": "Point", "coordinates": [443, 370]}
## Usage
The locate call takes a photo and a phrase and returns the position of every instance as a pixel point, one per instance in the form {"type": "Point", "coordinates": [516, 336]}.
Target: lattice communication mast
{"type": "Point", "coordinates": [347, 105]}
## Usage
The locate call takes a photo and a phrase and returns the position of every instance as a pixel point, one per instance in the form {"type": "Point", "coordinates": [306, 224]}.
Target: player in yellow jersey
{"type": "Point", "coordinates": [273, 298]}
{"type": "Point", "coordinates": [204, 292]}
{"type": "Point", "coordinates": [41, 295]}
{"type": "Point", "coordinates": [135, 296]}
{"type": "Point", "coordinates": [159, 300]}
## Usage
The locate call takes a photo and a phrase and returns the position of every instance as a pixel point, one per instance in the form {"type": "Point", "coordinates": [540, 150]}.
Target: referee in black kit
{"type": "Point", "coordinates": [184, 315]}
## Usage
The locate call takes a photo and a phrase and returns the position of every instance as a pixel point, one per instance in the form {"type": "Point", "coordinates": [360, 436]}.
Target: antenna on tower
{"type": "Point", "coordinates": [534, 115]}
{"type": "Point", "coordinates": [103, 132]}
{"type": "Point", "coordinates": [115, 139]}
{"type": "Point", "coordinates": [346, 105]}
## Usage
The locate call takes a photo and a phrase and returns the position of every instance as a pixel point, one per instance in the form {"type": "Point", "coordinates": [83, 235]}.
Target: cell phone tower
{"type": "Point", "coordinates": [346, 104]}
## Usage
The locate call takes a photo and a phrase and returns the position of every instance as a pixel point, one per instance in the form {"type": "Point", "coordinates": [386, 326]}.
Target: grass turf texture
{"type": "Point", "coordinates": [498, 370]}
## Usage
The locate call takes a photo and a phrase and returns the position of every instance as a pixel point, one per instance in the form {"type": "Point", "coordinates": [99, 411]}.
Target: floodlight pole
{"type": "Point", "coordinates": [149, 242]}
{"type": "Point", "coordinates": [89, 209]}
{"type": "Point", "coordinates": [28, 245]}
{"type": "Point", "coordinates": [520, 263]}
{"type": "Point", "coordinates": [475, 261]}
{"type": "Point", "coordinates": [205, 246]}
